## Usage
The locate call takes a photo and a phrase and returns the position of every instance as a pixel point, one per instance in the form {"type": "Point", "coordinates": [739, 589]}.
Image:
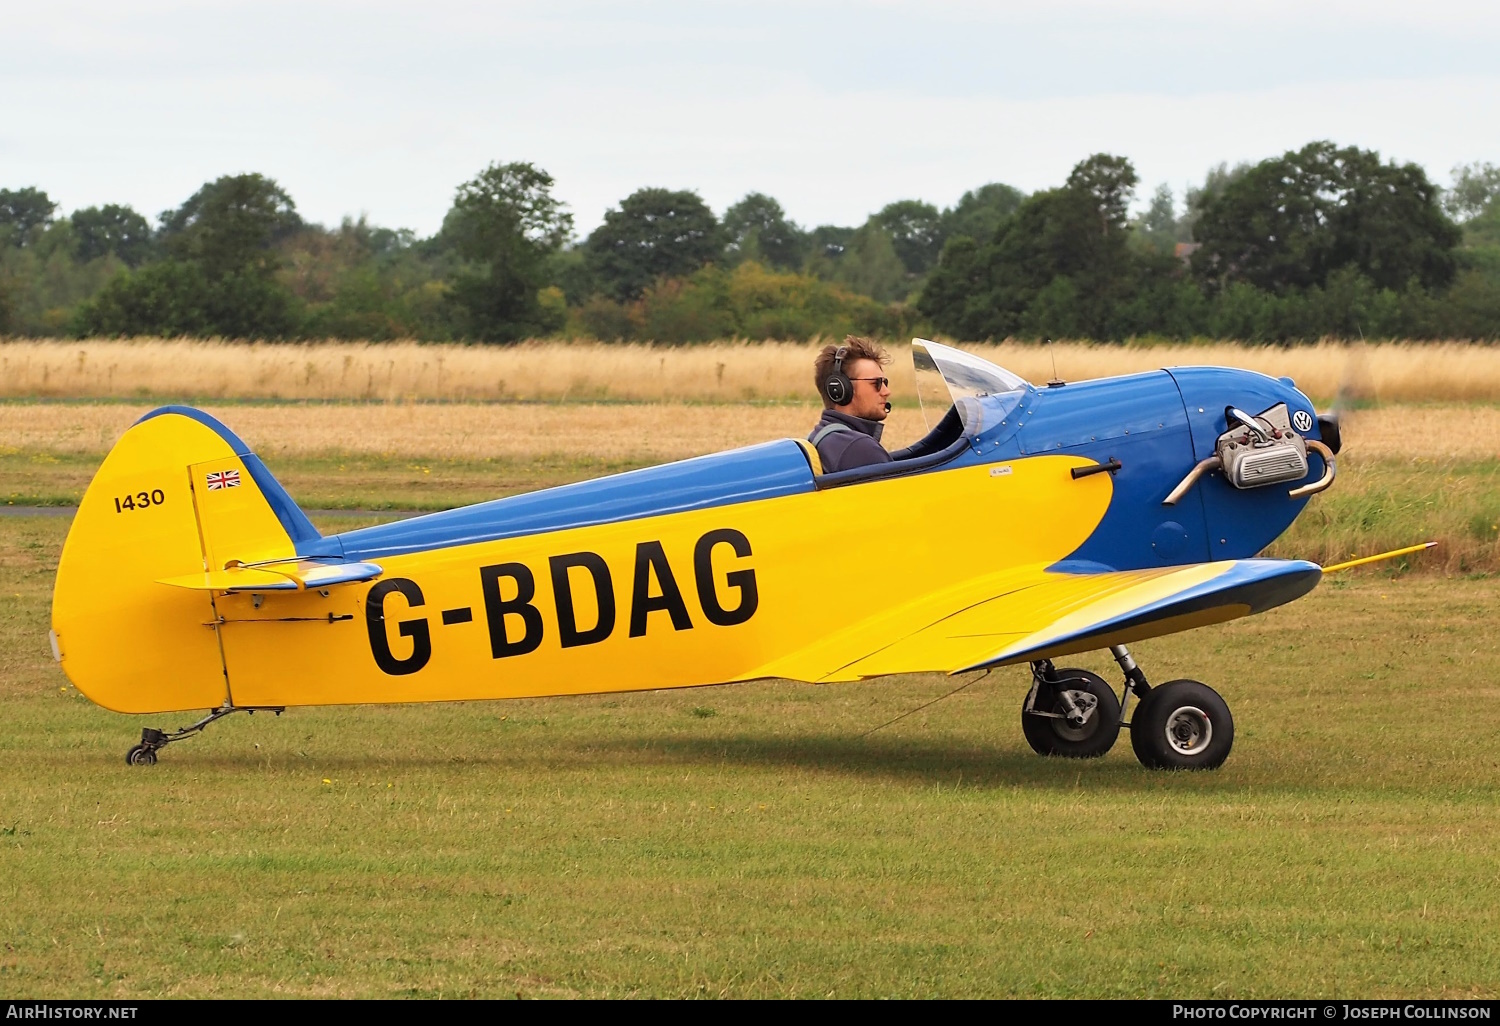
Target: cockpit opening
{"type": "Point", "coordinates": [958, 393]}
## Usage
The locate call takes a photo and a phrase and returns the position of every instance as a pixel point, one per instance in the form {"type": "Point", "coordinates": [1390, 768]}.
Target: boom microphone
{"type": "Point", "coordinates": [887, 407]}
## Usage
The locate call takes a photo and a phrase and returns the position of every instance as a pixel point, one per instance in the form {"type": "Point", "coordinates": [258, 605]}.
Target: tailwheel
{"type": "Point", "coordinates": [144, 754]}
{"type": "Point", "coordinates": [1182, 724]}
{"type": "Point", "coordinates": [154, 740]}
{"type": "Point", "coordinates": [1071, 713]}
{"type": "Point", "coordinates": [140, 755]}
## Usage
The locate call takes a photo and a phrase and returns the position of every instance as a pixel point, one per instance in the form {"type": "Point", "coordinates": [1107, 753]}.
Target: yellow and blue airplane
{"type": "Point", "coordinates": [1030, 523]}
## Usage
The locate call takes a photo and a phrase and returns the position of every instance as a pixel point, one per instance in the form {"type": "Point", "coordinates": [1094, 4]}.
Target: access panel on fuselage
{"type": "Point", "coordinates": [1140, 421]}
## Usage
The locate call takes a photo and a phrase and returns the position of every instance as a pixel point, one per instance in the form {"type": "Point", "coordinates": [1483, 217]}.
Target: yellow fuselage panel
{"type": "Point", "coordinates": [800, 587]}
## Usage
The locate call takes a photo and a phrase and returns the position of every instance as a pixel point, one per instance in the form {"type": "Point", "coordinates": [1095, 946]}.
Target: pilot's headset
{"type": "Point", "coordinates": [838, 388]}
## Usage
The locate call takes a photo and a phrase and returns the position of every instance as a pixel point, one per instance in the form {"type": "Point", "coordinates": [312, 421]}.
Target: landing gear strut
{"type": "Point", "coordinates": [153, 740]}
{"type": "Point", "coordinates": [1182, 724]}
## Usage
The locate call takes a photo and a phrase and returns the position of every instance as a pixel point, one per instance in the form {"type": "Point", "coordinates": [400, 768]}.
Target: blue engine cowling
{"type": "Point", "coordinates": [1159, 425]}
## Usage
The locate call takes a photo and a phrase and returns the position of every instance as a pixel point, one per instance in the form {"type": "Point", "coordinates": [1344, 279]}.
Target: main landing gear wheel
{"type": "Point", "coordinates": [1182, 724]}
{"type": "Point", "coordinates": [1071, 713]}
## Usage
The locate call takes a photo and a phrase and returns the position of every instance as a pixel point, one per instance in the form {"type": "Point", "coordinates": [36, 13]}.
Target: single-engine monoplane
{"type": "Point", "coordinates": [1028, 524]}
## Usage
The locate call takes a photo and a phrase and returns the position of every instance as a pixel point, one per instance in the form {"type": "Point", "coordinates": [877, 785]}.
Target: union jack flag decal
{"type": "Point", "coordinates": [221, 479]}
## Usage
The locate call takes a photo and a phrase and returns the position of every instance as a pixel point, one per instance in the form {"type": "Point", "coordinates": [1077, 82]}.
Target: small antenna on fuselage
{"type": "Point", "coordinates": [1056, 381]}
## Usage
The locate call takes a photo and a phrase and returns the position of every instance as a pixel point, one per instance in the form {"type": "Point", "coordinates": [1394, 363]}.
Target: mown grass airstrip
{"type": "Point", "coordinates": [748, 841]}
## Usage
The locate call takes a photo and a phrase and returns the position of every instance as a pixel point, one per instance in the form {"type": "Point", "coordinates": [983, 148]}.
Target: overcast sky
{"type": "Point", "coordinates": [835, 108]}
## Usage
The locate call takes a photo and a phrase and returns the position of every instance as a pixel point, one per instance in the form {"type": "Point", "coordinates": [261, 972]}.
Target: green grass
{"type": "Point", "coordinates": [1378, 505]}
{"type": "Point", "coordinates": [746, 841]}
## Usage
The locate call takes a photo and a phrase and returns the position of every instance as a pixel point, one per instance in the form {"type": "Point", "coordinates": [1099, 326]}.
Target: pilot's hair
{"type": "Point", "coordinates": [859, 349]}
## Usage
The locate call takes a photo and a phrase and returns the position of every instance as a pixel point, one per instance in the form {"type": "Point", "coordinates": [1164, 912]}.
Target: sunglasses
{"type": "Point", "coordinates": [879, 382]}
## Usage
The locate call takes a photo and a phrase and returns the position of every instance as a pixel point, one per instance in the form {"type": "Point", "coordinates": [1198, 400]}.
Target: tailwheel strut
{"type": "Point", "coordinates": [154, 740]}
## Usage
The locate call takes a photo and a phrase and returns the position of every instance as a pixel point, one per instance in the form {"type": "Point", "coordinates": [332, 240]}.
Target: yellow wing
{"type": "Point", "coordinates": [1032, 613]}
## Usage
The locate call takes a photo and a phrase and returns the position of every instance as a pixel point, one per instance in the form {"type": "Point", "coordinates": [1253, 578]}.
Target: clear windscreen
{"type": "Point", "coordinates": [946, 375]}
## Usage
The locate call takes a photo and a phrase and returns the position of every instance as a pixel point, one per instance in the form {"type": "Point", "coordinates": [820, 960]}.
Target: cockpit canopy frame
{"type": "Point", "coordinates": [946, 377]}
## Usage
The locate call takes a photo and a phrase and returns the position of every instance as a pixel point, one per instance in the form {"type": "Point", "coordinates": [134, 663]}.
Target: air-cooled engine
{"type": "Point", "coordinates": [1261, 450]}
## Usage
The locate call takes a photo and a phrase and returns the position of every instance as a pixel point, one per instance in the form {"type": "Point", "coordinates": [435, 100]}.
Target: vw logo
{"type": "Point", "coordinates": [1302, 420]}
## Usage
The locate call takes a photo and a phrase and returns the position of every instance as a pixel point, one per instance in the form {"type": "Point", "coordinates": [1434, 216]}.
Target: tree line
{"type": "Point", "coordinates": [1322, 241]}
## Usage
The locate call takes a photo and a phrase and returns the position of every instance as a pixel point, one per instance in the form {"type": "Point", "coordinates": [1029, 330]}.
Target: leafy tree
{"type": "Point", "coordinates": [750, 301]}
{"type": "Point", "coordinates": [1475, 186]}
{"type": "Point", "coordinates": [24, 213]}
{"type": "Point", "coordinates": [758, 229]}
{"type": "Point", "coordinates": [830, 241]}
{"type": "Point", "coordinates": [1108, 182]}
{"type": "Point", "coordinates": [7, 303]}
{"type": "Point", "coordinates": [827, 246]}
{"type": "Point", "coordinates": [1215, 182]}
{"type": "Point", "coordinates": [1291, 221]}
{"type": "Point", "coordinates": [870, 265]}
{"type": "Point", "coordinates": [568, 270]}
{"type": "Point", "coordinates": [111, 229]}
{"type": "Point", "coordinates": [979, 212]}
{"type": "Point", "coordinates": [1483, 231]}
{"type": "Point", "coordinates": [231, 225]}
{"type": "Point", "coordinates": [505, 225]}
{"type": "Point", "coordinates": [956, 296]}
{"type": "Point", "coordinates": [655, 233]}
{"type": "Point", "coordinates": [916, 231]}
{"type": "Point", "coordinates": [177, 297]}
{"type": "Point", "coordinates": [219, 277]}
{"type": "Point", "coordinates": [1157, 229]}
{"type": "Point", "coordinates": [1058, 266]}
{"type": "Point", "coordinates": [363, 281]}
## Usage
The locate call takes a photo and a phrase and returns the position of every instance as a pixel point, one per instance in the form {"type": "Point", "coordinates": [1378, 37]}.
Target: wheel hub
{"type": "Point", "coordinates": [1080, 705]}
{"type": "Point", "coordinates": [1189, 730]}
{"type": "Point", "coordinates": [1076, 723]}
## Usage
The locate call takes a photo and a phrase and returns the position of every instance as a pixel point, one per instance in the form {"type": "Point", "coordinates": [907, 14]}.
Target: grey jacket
{"type": "Point", "coordinates": [846, 442]}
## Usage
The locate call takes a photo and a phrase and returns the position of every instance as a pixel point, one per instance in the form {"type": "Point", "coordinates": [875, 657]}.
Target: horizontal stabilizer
{"type": "Point", "coordinates": [289, 575]}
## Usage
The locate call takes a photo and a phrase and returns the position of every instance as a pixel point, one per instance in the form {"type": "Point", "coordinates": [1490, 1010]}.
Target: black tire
{"type": "Point", "coordinates": [1048, 735]}
{"type": "Point", "coordinates": [140, 755]}
{"type": "Point", "coordinates": [1182, 724]}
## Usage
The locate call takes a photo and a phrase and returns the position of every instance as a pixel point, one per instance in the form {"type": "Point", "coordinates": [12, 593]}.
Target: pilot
{"type": "Point", "coordinates": [856, 400]}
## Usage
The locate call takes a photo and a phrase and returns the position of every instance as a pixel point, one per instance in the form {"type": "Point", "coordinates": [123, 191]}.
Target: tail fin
{"type": "Point", "coordinates": [179, 493]}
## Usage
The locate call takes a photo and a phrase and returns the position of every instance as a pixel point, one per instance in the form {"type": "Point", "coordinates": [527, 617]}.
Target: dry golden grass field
{"type": "Point", "coordinates": [718, 372]}
{"type": "Point", "coordinates": [645, 432]}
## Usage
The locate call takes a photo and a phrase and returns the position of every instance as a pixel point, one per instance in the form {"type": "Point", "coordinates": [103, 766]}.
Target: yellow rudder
{"type": "Point", "coordinates": [178, 494]}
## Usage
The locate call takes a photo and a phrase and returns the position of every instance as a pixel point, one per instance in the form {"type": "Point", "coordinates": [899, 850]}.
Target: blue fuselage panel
{"type": "Point", "coordinates": [1138, 420]}
{"type": "Point", "coordinates": [742, 475]}
{"type": "Point", "coordinates": [1158, 425]}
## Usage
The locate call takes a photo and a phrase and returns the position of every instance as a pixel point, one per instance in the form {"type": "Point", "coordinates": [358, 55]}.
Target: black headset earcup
{"type": "Point", "coordinates": [839, 389]}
